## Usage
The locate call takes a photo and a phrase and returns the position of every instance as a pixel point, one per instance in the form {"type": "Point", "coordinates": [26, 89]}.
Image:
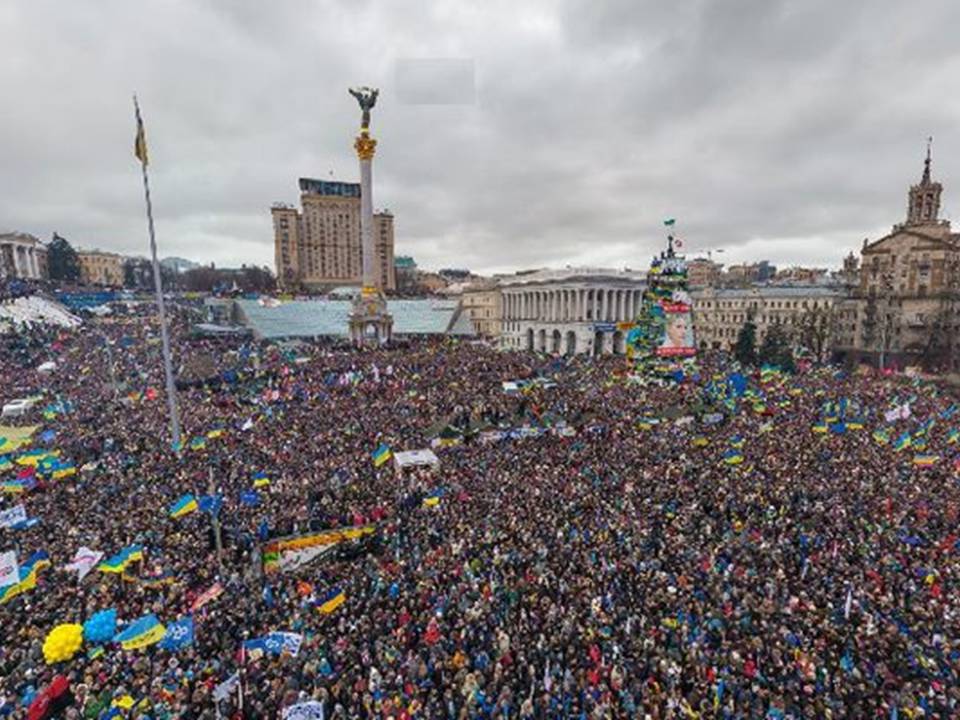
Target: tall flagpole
{"type": "Point", "coordinates": [140, 149]}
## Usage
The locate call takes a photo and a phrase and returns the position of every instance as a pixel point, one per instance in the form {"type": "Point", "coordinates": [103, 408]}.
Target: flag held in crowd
{"type": "Point", "coordinates": [331, 600]}
{"type": "Point", "coordinates": [179, 634]}
{"type": "Point", "coordinates": [141, 633]}
{"type": "Point", "coordinates": [27, 577]}
{"type": "Point", "coordinates": [184, 506]}
{"type": "Point", "coordinates": [119, 562]}
{"type": "Point", "coordinates": [381, 455]}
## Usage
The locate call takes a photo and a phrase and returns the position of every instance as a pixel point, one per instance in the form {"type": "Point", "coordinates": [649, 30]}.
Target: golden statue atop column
{"type": "Point", "coordinates": [370, 323]}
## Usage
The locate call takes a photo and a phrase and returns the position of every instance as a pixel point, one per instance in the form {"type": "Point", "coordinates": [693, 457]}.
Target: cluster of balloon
{"type": "Point", "coordinates": [62, 643]}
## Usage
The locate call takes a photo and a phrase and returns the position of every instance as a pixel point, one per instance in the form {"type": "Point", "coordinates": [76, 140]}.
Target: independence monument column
{"type": "Point", "coordinates": [370, 323]}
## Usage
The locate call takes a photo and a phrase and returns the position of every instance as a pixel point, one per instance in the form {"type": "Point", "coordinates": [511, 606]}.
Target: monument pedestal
{"type": "Point", "coordinates": [370, 323]}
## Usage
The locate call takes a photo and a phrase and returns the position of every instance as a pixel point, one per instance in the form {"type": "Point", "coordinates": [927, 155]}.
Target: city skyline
{"type": "Point", "coordinates": [764, 130]}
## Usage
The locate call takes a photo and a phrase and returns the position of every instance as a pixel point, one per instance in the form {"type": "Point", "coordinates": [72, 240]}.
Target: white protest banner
{"type": "Point", "coordinates": [84, 561]}
{"type": "Point", "coordinates": [9, 570]}
{"type": "Point", "coordinates": [310, 710]}
{"type": "Point", "coordinates": [12, 516]}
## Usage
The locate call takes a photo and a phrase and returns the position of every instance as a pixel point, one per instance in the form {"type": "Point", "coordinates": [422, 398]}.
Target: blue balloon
{"type": "Point", "coordinates": [100, 627]}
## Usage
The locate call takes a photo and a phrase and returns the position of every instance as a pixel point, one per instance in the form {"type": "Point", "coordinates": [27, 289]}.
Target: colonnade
{"type": "Point", "coordinates": [572, 305]}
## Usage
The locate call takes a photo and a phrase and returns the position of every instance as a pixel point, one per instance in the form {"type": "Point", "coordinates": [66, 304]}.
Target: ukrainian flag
{"type": "Point", "coordinates": [36, 456]}
{"type": "Point", "coordinates": [198, 443]}
{"type": "Point", "coordinates": [28, 576]}
{"type": "Point", "coordinates": [820, 428]}
{"type": "Point", "coordinates": [214, 434]}
{"type": "Point", "coordinates": [433, 498]}
{"type": "Point", "coordinates": [141, 633]}
{"type": "Point", "coordinates": [733, 457]}
{"type": "Point", "coordinates": [184, 506]}
{"type": "Point", "coordinates": [118, 563]}
{"type": "Point", "coordinates": [881, 436]}
{"type": "Point", "coordinates": [903, 442]}
{"type": "Point", "coordinates": [381, 455]}
{"type": "Point", "coordinates": [925, 460]}
{"type": "Point", "coordinates": [953, 436]}
{"type": "Point", "coordinates": [736, 441]}
{"type": "Point", "coordinates": [331, 600]}
{"type": "Point", "coordinates": [260, 480]}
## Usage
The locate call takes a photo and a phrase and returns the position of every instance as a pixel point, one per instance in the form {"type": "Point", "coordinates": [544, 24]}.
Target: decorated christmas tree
{"type": "Point", "coordinates": [662, 343]}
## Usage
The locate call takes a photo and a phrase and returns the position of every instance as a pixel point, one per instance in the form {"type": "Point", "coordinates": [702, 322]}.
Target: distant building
{"type": "Point", "coordinates": [481, 301]}
{"type": "Point", "coordinates": [907, 299]}
{"type": "Point", "coordinates": [319, 247]}
{"type": "Point", "coordinates": [801, 275]}
{"type": "Point", "coordinates": [577, 310]}
{"type": "Point", "coordinates": [702, 272]}
{"type": "Point", "coordinates": [178, 264]}
{"type": "Point", "coordinates": [22, 256]}
{"type": "Point", "coordinates": [720, 313]}
{"type": "Point", "coordinates": [743, 275]}
{"type": "Point", "coordinates": [405, 271]}
{"type": "Point", "coordinates": [100, 268]}
{"type": "Point", "coordinates": [429, 282]}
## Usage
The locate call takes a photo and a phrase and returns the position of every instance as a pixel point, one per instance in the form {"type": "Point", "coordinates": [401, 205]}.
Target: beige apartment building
{"type": "Point", "coordinates": [806, 313]}
{"type": "Point", "coordinates": [100, 268]}
{"type": "Point", "coordinates": [482, 304]}
{"type": "Point", "coordinates": [319, 247]}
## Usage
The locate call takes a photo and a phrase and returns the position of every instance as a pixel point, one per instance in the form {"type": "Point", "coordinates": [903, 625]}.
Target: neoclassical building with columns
{"type": "Point", "coordinates": [22, 256]}
{"type": "Point", "coordinates": [577, 310]}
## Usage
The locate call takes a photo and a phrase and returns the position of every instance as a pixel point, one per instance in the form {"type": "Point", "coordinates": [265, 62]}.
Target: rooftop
{"type": "Point", "coordinates": [568, 274]}
{"type": "Point", "coordinates": [319, 318]}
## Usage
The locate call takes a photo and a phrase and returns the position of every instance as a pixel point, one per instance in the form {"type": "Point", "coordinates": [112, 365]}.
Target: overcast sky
{"type": "Point", "coordinates": [770, 129]}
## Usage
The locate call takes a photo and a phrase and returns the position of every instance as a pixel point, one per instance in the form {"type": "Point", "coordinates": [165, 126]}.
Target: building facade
{"type": "Point", "coordinates": [22, 256]}
{"type": "Point", "coordinates": [806, 313]}
{"type": "Point", "coordinates": [702, 272]}
{"type": "Point", "coordinates": [100, 268]}
{"type": "Point", "coordinates": [907, 299]}
{"type": "Point", "coordinates": [578, 310]}
{"type": "Point", "coordinates": [481, 302]}
{"type": "Point", "coordinates": [319, 246]}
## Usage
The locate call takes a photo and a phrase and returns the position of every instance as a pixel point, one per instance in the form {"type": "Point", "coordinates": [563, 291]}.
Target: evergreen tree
{"type": "Point", "coordinates": [62, 262]}
{"type": "Point", "coordinates": [745, 350]}
{"type": "Point", "coordinates": [776, 349]}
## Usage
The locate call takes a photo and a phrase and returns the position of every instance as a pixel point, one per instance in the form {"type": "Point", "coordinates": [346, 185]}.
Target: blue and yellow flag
{"type": "Point", "coordinates": [820, 428]}
{"type": "Point", "coordinates": [140, 142]}
{"type": "Point", "coordinates": [925, 460]}
{"type": "Point", "coordinates": [381, 455]}
{"type": "Point", "coordinates": [27, 576]}
{"type": "Point", "coordinates": [141, 633]}
{"type": "Point", "coordinates": [903, 442]}
{"type": "Point", "coordinates": [882, 437]}
{"type": "Point", "coordinates": [331, 600]}
{"type": "Point", "coordinates": [118, 563]}
{"type": "Point", "coordinates": [260, 479]}
{"type": "Point", "coordinates": [198, 443]}
{"type": "Point", "coordinates": [953, 436]}
{"type": "Point", "coordinates": [432, 498]}
{"type": "Point", "coordinates": [733, 457]}
{"type": "Point", "coordinates": [736, 441]}
{"type": "Point", "coordinates": [184, 506]}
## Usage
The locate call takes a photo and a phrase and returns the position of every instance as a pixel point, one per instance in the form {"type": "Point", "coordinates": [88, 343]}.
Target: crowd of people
{"type": "Point", "coordinates": [620, 562]}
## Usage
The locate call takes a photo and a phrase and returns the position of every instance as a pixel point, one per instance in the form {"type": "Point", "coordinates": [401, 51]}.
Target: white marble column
{"type": "Point", "coordinates": [18, 268]}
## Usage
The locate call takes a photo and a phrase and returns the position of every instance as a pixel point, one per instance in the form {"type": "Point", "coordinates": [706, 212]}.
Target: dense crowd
{"type": "Point", "coordinates": [625, 567]}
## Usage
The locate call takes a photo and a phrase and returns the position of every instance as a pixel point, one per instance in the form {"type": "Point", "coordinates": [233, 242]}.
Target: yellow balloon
{"type": "Point", "coordinates": [62, 643]}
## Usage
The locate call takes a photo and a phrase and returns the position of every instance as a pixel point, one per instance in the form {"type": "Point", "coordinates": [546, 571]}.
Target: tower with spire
{"type": "Point", "coordinates": [923, 207]}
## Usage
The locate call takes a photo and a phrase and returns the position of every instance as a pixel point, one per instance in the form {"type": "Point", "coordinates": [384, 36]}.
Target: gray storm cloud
{"type": "Point", "coordinates": [779, 130]}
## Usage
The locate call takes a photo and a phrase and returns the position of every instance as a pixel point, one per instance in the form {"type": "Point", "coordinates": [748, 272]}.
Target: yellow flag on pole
{"type": "Point", "coordinates": [140, 144]}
